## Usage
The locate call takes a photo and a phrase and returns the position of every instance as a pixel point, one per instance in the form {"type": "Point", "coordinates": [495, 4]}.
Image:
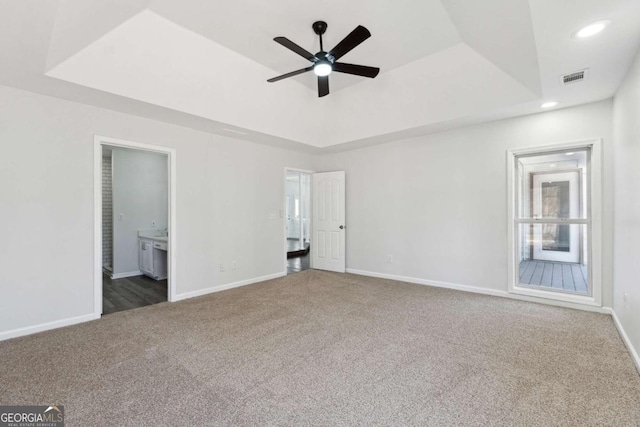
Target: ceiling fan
{"type": "Point", "coordinates": [326, 62]}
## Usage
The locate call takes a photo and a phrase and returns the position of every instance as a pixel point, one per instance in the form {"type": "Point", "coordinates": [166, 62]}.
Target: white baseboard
{"type": "Point", "coordinates": [187, 295]}
{"type": "Point", "coordinates": [477, 290]}
{"type": "Point", "coordinates": [627, 341]}
{"type": "Point", "coordinates": [46, 326]}
{"type": "Point", "coordinates": [127, 274]}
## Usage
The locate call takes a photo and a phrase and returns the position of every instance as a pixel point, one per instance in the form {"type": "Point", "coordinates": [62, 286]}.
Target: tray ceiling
{"type": "Point", "coordinates": [204, 64]}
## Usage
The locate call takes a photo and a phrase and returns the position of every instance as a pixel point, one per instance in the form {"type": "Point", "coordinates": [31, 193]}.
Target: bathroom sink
{"type": "Point", "coordinates": [160, 236]}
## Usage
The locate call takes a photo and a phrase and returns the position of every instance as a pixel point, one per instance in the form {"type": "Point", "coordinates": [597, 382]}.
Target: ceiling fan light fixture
{"type": "Point", "coordinates": [322, 69]}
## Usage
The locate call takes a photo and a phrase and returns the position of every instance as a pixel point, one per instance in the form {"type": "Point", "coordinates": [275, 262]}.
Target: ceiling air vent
{"type": "Point", "coordinates": [576, 77]}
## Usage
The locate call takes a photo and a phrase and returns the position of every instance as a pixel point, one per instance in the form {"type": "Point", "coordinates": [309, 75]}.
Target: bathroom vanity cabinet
{"type": "Point", "coordinates": [153, 257]}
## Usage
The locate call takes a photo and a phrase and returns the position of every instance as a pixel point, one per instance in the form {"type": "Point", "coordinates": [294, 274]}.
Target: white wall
{"type": "Point", "coordinates": [226, 192]}
{"type": "Point", "coordinates": [438, 203]}
{"type": "Point", "coordinates": [140, 194]}
{"type": "Point", "coordinates": [626, 260]}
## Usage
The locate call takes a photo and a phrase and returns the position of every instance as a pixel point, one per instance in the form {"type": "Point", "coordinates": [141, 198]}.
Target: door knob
{"type": "Point", "coordinates": [342, 227]}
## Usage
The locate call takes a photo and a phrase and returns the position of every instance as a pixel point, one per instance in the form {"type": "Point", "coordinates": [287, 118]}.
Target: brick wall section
{"type": "Point", "coordinates": [107, 213]}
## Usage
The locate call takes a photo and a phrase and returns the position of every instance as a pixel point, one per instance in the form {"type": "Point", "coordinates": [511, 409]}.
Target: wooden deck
{"type": "Point", "coordinates": [556, 275]}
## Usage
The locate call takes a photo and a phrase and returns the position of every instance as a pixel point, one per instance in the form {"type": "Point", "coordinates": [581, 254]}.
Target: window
{"type": "Point", "coordinates": [551, 224]}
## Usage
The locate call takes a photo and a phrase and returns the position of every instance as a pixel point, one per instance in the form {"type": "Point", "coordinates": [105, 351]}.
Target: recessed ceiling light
{"type": "Point", "coordinates": [569, 154]}
{"type": "Point", "coordinates": [549, 104]}
{"type": "Point", "coordinates": [553, 165]}
{"type": "Point", "coordinates": [591, 29]}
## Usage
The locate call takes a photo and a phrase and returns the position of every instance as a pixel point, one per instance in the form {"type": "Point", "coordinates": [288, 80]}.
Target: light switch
{"type": "Point", "coordinates": [121, 217]}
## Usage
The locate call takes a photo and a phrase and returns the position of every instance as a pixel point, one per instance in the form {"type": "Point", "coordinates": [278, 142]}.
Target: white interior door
{"type": "Point", "coordinates": [328, 251]}
{"type": "Point", "coordinates": [556, 196]}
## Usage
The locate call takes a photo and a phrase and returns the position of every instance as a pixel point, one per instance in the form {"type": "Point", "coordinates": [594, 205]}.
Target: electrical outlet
{"type": "Point", "coordinates": [221, 268]}
{"type": "Point", "coordinates": [234, 265]}
{"type": "Point", "coordinates": [121, 217]}
{"type": "Point", "coordinates": [389, 258]}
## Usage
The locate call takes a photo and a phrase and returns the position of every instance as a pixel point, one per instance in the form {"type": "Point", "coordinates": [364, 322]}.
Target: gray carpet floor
{"type": "Point", "coordinates": [318, 348]}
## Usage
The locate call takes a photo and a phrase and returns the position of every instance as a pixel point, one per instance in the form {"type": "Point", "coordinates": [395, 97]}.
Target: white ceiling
{"type": "Point", "coordinates": [203, 64]}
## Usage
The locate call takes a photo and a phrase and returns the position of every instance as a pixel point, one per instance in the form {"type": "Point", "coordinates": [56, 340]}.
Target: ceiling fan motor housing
{"type": "Point", "coordinates": [324, 56]}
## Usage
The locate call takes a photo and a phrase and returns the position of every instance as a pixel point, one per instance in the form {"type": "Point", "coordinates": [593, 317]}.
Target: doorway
{"type": "Point", "coordinates": [556, 195]}
{"type": "Point", "coordinates": [553, 192]}
{"type": "Point", "coordinates": [297, 216]}
{"type": "Point", "coordinates": [314, 226]}
{"type": "Point", "coordinates": [134, 225]}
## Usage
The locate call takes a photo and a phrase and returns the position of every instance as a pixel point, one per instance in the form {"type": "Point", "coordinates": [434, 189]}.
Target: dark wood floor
{"type": "Point", "coordinates": [298, 264]}
{"type": "Point", "coordinates": [131, 292]}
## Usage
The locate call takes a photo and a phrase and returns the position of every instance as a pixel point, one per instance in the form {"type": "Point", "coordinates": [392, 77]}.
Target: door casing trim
{"type": "Point", "coordinates": [98, 142]}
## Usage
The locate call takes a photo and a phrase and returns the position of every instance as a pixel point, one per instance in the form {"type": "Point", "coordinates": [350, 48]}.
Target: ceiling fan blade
{"type": "Point", "coordinates": [354, 38]}
{"type": "Point", "coordinates": [323, 86]}
{"type": "Point", "coordinates": [358, 70]}
{"type": "Point", "coordinates": [291, 74]}
{"type": "Point", "coordinates": [297, 49]}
